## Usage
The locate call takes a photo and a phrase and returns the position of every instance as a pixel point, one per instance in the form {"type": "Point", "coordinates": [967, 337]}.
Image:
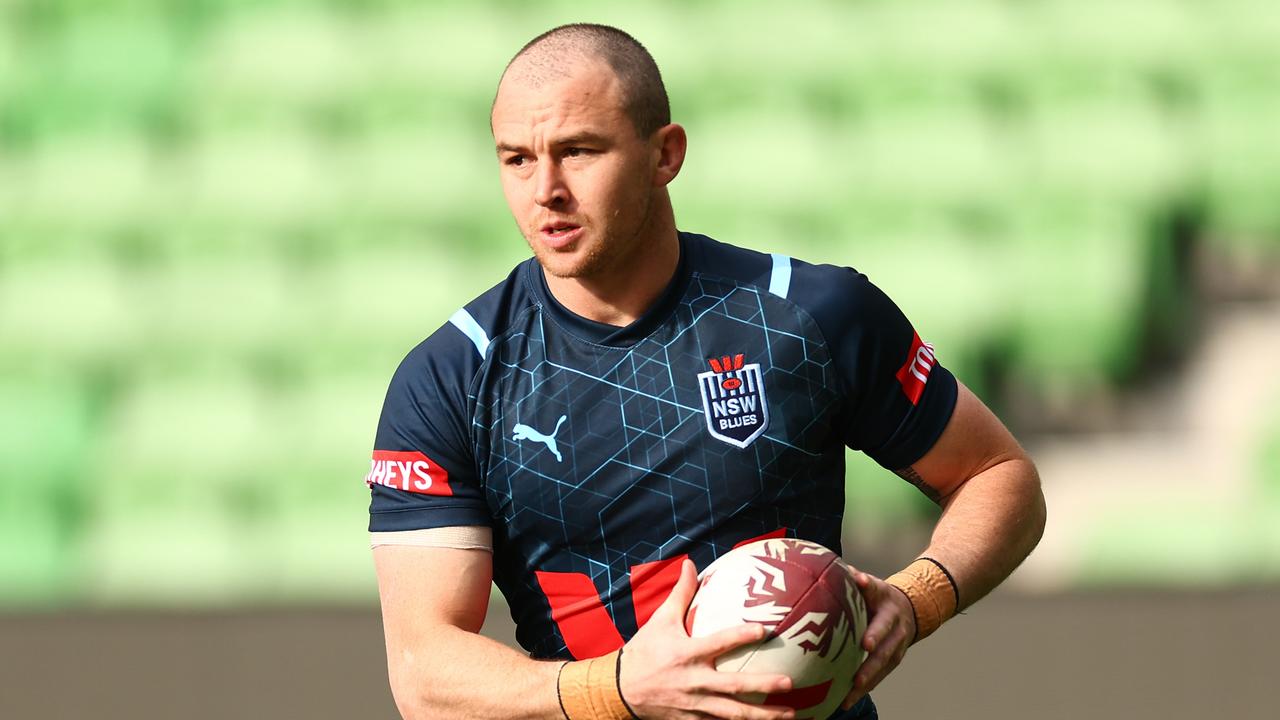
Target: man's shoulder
{"type": "Point", "coordinates": [831, 294]}
{"type": "Point", "coordinates": [713, 258]}
{"type": "Point", "coordinates": [460, 344]}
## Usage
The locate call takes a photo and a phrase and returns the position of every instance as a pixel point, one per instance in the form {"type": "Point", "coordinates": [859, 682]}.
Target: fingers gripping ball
{"type": "Point", "coordinates": [804, 596]}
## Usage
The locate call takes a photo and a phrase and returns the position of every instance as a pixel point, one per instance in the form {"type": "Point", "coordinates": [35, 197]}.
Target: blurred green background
{"type": "Point", "coordinates": [222, 224]}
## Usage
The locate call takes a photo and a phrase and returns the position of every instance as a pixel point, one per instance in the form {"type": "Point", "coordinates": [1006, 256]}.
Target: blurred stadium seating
{"type": "Point", "coordinates": [223, 223]}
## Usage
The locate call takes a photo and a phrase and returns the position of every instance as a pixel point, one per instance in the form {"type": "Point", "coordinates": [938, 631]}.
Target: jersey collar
{"type": "Point", "coordinates": [612, 335]}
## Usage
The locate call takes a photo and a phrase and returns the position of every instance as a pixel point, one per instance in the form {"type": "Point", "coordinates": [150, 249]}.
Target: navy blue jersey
{"type": "Point", "coordinates": [602, 456]}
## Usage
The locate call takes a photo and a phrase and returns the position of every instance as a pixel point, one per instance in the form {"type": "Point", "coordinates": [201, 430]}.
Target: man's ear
{"type": "Point", "coordinates": [671, 144]}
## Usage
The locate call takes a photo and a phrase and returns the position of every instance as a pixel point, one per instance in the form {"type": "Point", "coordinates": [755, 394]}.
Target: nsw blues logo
{"type": "Point", "coordinates": [733, 400]}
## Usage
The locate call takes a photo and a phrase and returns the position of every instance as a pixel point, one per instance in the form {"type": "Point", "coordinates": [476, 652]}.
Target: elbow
{"type": "Point", "coordinates": [423, 684]}
{"type": "Point", "coordinates": [412, 696]}
{"type": "Point", "coordinates": [1037, 510]}
{"type": "Point", "coordinates": [408, 700]}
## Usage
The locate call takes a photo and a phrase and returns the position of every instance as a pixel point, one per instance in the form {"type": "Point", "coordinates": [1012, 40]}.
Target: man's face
{"type": "Point", "coordinates": [578, 178]}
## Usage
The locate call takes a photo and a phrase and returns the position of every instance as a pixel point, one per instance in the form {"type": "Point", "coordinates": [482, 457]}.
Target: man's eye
{"type": "Point", "coordinates": [515, 160]}
{"type": "Point", "coordinates": [575, 152]}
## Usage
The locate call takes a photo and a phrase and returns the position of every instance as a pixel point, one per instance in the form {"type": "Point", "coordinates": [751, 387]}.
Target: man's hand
{"type": "Point", "coordinates": [891, 626]}
{"type": "Point", "coordinates": [667, 674]}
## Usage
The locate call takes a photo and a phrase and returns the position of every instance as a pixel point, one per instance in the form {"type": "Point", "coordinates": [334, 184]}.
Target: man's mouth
{"type": "Point", "coordinates": [558, 229]}
{"type": "Point", "coordinates": [559, 234]}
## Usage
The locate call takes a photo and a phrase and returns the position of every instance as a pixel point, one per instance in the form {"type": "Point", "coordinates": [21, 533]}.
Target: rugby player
{"type": "Point", "coordinates": [630, 404]}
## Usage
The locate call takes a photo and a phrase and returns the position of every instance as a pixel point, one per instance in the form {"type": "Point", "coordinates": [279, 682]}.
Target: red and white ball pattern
{"type": "Point", "coordinates": [805, 597]}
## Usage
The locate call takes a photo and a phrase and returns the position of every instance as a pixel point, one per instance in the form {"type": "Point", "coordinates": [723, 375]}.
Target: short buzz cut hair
{"type": "Point", "coordinates": [645, 97]}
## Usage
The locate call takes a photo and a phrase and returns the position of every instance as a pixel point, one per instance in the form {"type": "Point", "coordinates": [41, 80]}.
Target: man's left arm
{"type": "Point", "coordinates": [993, 514]}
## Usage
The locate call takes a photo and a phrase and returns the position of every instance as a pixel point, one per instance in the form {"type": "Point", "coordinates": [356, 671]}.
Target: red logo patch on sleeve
{"type": "Point", "coordinates": [913, 375]}
{"type": "Point", "coordinates": [408, 471]}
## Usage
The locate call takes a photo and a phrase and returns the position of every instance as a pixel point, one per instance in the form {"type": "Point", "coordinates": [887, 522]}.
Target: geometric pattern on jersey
{"type": "Point", "coordinates": [639, 478]}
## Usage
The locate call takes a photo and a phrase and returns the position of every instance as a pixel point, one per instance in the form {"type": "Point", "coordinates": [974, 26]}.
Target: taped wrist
{"type": "Point", "coordinates": [932, 591]}
{"type": "Point", "coordinates": [591, 689]}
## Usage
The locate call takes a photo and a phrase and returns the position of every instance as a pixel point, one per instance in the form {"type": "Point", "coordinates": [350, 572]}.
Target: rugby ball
{"type": "Point", "coordinates": [805, 597]}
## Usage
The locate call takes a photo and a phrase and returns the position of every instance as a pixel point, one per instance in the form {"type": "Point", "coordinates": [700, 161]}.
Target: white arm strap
{"type": "Point", "coordinates": [472, 537]}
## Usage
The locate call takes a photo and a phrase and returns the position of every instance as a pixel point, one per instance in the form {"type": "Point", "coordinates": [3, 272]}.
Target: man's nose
{"type": "Point", "coordinates": [550, 189]}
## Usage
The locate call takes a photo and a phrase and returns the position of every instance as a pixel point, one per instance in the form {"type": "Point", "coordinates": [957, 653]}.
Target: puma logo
{"type": "Point", "coordinates": [524, 432]}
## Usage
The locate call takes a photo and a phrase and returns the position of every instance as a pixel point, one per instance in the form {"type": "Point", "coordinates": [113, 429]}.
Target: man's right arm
{"type": "Point", "coordinates": [434, 601]}
{"type": "Point", "coordinates": [439, 666]}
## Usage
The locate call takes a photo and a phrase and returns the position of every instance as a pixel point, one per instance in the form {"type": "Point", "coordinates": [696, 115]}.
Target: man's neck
{"type": "Point", "coordinates": [624, 293]}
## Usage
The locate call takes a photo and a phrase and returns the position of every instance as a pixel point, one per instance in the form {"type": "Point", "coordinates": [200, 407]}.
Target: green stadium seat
{"type": "Point", "coordinates": [959, 42]}
{"type": "Point", "coordinates": [946, 158]}
{"type": "Point", "coordinates": [220, 468]}
{"type": "Point", "coordinates": [1079, 269]}
{"type": "Point", "coordinates": [282, 55]}
{"type": "Point", "coordinates": [47, 474]}
{"type": "Point", "coordinates": [109, 179]}
{"type": "Point", "coordinates": [65, 315]}
{"type": "Point", "coordinates": [1114, 152]}
{"type": "Point", "coordinates": [93, 74]}
{"type": "Point", "coordinates": [1242, 162]}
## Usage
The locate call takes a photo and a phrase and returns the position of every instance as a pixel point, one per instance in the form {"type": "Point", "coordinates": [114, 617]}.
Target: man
{"type": "Point", "coordinates": [629, 405]}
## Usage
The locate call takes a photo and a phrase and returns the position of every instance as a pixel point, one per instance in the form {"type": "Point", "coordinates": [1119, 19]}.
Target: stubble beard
{"type": "Point", "coordinates": [616, 249]}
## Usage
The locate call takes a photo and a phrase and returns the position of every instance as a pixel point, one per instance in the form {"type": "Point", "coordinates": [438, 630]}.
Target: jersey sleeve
{"type": "Point", "coordinates": [898, 397]}
{"type": "Point", "coordinates": [423, 472]}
